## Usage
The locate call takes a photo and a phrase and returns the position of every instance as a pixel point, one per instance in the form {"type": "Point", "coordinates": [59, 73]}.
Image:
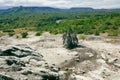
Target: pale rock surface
{"type": "Point", "coordinates": [94, 59]}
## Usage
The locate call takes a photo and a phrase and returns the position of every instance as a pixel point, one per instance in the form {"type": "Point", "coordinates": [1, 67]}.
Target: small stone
{"type": "Point", "coordinates": [112, 60]}
{"type": "Point", "coordinates": [5, 77]}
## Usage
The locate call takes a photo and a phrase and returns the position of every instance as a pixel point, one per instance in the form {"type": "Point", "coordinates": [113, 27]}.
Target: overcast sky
{"type": "Point", "coordinates": [63, 3]}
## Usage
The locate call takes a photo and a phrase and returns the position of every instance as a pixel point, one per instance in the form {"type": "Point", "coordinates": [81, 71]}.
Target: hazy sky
{"type": "Point", "coordinates": [63, 3]}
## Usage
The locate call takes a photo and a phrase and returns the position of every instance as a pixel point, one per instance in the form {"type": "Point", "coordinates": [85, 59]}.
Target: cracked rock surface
{"type": "Point", "coordinates": [45, 58]}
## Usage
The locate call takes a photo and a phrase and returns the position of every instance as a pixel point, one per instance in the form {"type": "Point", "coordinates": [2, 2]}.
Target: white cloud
{"type": "Point", "coordinates": [63, 3]}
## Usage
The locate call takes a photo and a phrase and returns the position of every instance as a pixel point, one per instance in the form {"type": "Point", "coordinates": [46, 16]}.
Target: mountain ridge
{"type": "Point", "coordinates": [22, 9]}
{"type": "Point", "coordinates": [46, 7]}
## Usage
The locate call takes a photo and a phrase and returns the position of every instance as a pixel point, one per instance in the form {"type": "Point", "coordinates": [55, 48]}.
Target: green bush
{"type": "Point", "coordinates": [24, 34]}
{"type": "Point", "coordinates": [10, 34]}
{"type": "Point", "coordinates": [8, 30]}
{"type": "Point", "coordinates": [38, 34]}
{"type": "Point", "coordinates": [97, 33]}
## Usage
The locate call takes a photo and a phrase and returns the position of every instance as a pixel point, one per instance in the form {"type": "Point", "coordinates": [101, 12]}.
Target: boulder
{"type": "Point", "coordinates": [112, 60]}
{"type": "Point", "coordinates": [20, 50]}
{"type": "Point", "coordinates": [18, 76]}
{"type": "Point", "coordinates": [62, 75]}
{"type": "Point", "coordinates": [45, 74]}
{"type": "Point", "coordinates": [16, 68]}
{"type": "Point", "coordinates": [26, 72]}
{"type": "Point", "coordinates": [3, 63]}
{"type": "Point", "coordinates": [12, 60]}
{"type": "Point", "coordinates": [5, 77]}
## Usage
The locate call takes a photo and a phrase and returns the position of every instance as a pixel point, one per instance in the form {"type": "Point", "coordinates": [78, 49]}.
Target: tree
{"type": "Point", "coordinates": [70, 39]}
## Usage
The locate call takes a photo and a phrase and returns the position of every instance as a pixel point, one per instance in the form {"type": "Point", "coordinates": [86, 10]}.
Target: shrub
{"type": "Point", "coordinates": [97, 33]}
{"type": "Point", "coordinates": [10, 34]}
{"type": "Point", "coordinates": [70, 39]}
{"type": "Point", "coordinates": [108, 23]}
{"type": "Point", "coordinates": [8, 30]}
{"type": "Point", "coordinates": [24, 34]}
{"type": "Point", "coordinates": [38, 34]}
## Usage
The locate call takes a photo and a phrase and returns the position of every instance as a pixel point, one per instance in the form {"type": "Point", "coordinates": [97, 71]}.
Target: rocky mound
{"type": "Point", "coordinates": [21, 62]}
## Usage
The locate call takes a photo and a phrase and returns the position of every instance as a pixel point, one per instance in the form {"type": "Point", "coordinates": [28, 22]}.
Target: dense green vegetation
{"type": "Point", "coordinates": [59, 21]}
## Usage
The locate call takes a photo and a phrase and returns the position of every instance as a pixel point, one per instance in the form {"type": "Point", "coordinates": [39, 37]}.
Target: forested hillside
{"type": "Point", "coordinates": [82, 20]}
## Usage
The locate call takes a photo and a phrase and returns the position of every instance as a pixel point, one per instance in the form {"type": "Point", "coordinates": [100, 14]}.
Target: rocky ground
{"type": "Point", "coordinates": [45, 58]}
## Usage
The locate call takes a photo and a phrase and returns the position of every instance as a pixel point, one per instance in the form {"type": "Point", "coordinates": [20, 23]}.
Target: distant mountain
{"type": "Point", "coordinates": [88, 9]}
{"type": "Point", "coordinates": [82, 9]}
{"type": "Point", "coordinates": [25, 10]}
{"type": "Point", "coordinates": [5, 7]}
{"type": "Point", "coordinates": [36, 8]}
{"type": "Point", "coordinates": [28, 10]}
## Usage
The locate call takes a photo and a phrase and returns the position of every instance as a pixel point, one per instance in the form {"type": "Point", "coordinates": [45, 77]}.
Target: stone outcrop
{"type": "Point", "coordinates": [95, 60]}
{"type": "Point", "coordinates": [21, 61]}
{"type": "Point", "coordinates": [20, 50]}
{"type": "Point", "coordinates": [16, 58]}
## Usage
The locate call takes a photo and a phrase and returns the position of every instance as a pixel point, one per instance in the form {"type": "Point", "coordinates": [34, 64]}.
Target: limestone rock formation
{"type": "Point", "coordinates": [21, 50]}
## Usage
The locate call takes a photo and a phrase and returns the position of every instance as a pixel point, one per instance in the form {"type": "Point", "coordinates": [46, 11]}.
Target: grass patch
{"type": "Point", "coordinates": [82, 37]}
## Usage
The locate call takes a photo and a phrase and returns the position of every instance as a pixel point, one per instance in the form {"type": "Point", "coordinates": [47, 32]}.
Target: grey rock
{"type": "Point", "coordinates": [26, 72]}
{"type": "Point", "coordinates": [46, 74]}
{"type": "Point", "coordinates": [49, 75]}
{"type": "Point", "coordinates": [41, 72]}
{"type": "Point", "coordinates": [112, 60]}
{"type": "Point", "coordinates": [55, 69]}
{"type": "Point", "coordinates": [5, 77]}
{"type": "Point", "coordinates": [18, 76]}
{"type": "Point", "coordinates": [16, 68]}
{"type": "Point", "coordinates": [72, 77]}
{"type": "Point", "coordinates": [62, 75]}
{"type": "Point", "coordinates": [117, 65]}
{"type": "Point", "coordinates": [3, 63]}
{"type": "Point", "coordinates": [19, 51]}
{"type": "Point", "coordinates": [93, 38]}
{"type": "Point", "coordinates": [12, 60]}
